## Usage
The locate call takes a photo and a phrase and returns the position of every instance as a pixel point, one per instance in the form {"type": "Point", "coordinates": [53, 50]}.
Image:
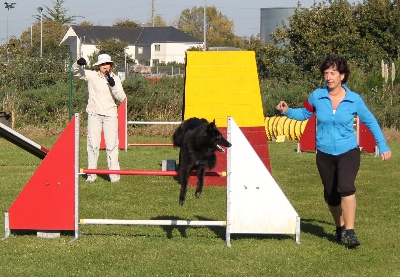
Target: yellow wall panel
{"type": "Point", "coordinates": [223, 83]}
{"type": "Point", "coordinates": [221, 112]}
{"type": "Point", "coordinates": [222, 72]}
{"type": "Point", "coordinates": [220, 57]}
{"type": "Point", "coordinates": [228, 85]}
{"type": "Point", "coordinates": [218, 98]}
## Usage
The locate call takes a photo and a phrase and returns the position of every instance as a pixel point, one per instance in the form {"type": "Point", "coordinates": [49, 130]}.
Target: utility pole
{"type": "Point", "coordinates": [152, 12]}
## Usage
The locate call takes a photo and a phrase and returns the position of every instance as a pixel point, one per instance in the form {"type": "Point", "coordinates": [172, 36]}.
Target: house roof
{"type": "Point", "coordinates": [164, 34]}
{"type": "Point", "coordinates": [132, 36]}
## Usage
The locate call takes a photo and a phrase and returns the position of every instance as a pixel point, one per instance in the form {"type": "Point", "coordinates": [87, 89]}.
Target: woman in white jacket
{"type": "Point", "coordinates": [105, 90]}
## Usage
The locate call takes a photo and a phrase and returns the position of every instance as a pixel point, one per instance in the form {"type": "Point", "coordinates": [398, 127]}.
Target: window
{"type": "Point", "coordinates": [156, 61]}
{"type": "Point", "coordinates": [157, 47]}
{"type": "Point", "coordinates": [140, 50]}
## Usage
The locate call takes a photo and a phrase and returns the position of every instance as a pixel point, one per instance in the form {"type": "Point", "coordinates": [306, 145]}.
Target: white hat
{"type": "Point", "coordinates": [103, 58]}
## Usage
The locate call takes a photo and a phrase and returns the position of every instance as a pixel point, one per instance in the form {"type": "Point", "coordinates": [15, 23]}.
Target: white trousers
{"type": "Point", "coordinates": [96, 124]}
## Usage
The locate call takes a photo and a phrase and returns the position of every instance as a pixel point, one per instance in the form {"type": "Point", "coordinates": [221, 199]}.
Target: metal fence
{"type": "Point", "coordinates": [152, 71]}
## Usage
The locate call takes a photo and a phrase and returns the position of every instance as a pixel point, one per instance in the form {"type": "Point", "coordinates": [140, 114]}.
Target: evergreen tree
{"type": "Point", "coordinates": [58, 13]}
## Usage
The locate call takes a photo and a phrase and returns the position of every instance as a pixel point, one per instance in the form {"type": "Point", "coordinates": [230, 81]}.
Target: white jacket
{"type": "Point", "coordinates": [102, 96]}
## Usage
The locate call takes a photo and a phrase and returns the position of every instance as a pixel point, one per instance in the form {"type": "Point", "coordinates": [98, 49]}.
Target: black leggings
{"type": "Point", "coordinates": [338, 174]}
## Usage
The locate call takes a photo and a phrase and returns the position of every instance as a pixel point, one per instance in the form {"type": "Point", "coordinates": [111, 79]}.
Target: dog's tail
{"type": "Point", "coordinates": [177, 137]}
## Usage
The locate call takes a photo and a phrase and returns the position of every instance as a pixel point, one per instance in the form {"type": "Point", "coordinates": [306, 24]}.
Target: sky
{"type": "Point", "coordinates": [244, 13]}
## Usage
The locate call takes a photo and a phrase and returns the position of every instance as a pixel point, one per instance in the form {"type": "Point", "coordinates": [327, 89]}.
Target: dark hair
{"type": "Point", "coordinates": [337, 62]}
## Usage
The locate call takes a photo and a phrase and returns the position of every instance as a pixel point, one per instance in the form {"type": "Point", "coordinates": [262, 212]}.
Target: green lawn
{"type": "Point", "coordinates": [201, 251]}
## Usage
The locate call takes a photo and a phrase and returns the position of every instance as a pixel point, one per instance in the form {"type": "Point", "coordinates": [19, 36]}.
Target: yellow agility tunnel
{"type": "Point", "coordinates": [281, 125]}
{"type": "Point", "coordinates": [219, 84]}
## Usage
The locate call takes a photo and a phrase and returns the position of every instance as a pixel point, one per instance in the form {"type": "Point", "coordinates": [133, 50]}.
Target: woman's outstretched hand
{"type": "Point", "coordinates": [282, 107]}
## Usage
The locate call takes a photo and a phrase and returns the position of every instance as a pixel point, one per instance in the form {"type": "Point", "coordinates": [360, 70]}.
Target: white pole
{"type": "Point", "coordinates": [7, 25]}
{"type": "Point", "coordinates": [76, 178]}
{"type": "Point", "coordinates": [166, 222]}
{"type": "Point", "coordinates": [8, 7]}
{"type": "Point", "coordinates": [126, 67]}
{"type": "Point", "coordinates": [40, 9]}
{"type": "Point", "coordinates": [7, 33]}
{"type": "Point", "coordinates": [41, 33]}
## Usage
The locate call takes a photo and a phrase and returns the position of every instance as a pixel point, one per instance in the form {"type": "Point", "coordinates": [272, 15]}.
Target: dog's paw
{"type": "Point", "coordinates": [198, 194]}
{"type": "Point", "coordinates": [181, 202]}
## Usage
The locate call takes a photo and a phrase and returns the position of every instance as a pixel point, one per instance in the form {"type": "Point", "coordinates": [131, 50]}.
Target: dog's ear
{"type": "Point", "coordinates": [211, 126]}
{"type": "Point", "coordinates": [213, 123]}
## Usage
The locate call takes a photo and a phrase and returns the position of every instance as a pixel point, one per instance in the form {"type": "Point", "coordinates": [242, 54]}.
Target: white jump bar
{"type": "Point", "coordinates": [154, 122]}
{"type": "Point", "coordinates": [153, 222]}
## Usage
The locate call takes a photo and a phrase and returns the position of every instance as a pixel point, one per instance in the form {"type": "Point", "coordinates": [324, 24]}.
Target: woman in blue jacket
{"type": "Point", "coordinates": [338, 156]}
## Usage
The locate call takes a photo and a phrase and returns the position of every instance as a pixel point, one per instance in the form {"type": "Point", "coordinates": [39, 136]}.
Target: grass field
{"type": "Point", "coordinates": [201, 251]}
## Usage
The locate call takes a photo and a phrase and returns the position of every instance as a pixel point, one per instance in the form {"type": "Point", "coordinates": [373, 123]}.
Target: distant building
{"type": "Point", "coordinates": [148, 46]}
{"type": "Point", "coordinates": [271, 18]}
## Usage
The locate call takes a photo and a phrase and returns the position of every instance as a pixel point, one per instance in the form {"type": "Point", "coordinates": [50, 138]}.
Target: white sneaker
{"type": "Point", "coordinates": [114, 178]}
{"type": "Point", "coordinates": [91, 178]}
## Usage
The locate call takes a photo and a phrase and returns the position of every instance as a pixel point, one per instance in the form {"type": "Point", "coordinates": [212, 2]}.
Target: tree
{"type": "Point", "coordinates": [158, 22]}
{"type": "Point", "coordinates": [379, 23]}
{"type": "Point", "coordinates": [125, 23]}
{"type": "Point", "coordinates": [366, 32]}
{"type": "Point", "coordinates": [219, 27]}
{"type": "Point", "coordinates": [54, 28]}
{"type": "Point", "coordinates": [53, 32]}
{"type": "Point", "coordinates": [86, 23]}
{"type": "Point", "coordinates": [318, 30]}
{"type": "Point", "coordinates": [58, 13]}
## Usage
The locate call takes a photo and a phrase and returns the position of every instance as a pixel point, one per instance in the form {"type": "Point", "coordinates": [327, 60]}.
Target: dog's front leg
{"type": "Point", "coordinates": [201, 171]}
{"type": "Point", "coordinates": [185, 174]}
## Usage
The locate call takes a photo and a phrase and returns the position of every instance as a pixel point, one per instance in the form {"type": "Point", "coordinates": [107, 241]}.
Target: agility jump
{"type": "Point", "coordinates": [50, 202]}
{"type": "Point", "coordinates": [255, 203]}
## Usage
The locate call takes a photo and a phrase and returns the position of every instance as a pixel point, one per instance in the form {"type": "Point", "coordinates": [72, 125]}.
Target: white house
{"type": "Point", "coordinates": [146, 45]}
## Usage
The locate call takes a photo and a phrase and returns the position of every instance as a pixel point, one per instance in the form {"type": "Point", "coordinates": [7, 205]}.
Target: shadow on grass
{"type": "Point", "coordinates": [312, 226]}
{"type": "Point", "coordinates": [219, 231]}
{"type": "Point", "coordinates": [170, 228]}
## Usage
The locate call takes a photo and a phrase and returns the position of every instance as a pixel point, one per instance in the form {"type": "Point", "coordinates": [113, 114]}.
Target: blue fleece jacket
{"type": "Point", "coordinates": [335, 131]}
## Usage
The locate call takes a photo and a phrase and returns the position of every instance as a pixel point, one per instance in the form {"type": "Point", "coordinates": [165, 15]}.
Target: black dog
{"type": "Point", "coordinates": [198, 140]}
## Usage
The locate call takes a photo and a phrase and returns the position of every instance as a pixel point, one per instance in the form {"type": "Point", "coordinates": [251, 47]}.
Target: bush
{"type": "Point", "coordinates": [154, 99]}
{"type": "Point", "coordinates": [46, 102]}
{"type": "Point", "coordinates": [48, 106]}
{"type": "Point", "coordinates": [26, 73]}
